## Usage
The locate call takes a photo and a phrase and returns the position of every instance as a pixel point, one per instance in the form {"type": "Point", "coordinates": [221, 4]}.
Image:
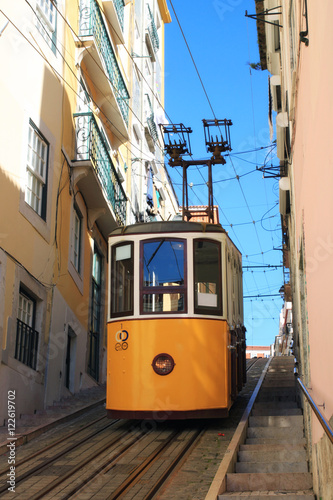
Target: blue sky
{"type": "Point", "coordinates": [223, 42]}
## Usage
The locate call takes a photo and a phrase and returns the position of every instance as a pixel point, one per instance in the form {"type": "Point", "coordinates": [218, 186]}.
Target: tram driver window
{"type": "Point", "coordinates": [163, 276]}
{"type": "Point", "coordinates": [207, 277]}
{"type": "Point", "coordinates": [122, 280]}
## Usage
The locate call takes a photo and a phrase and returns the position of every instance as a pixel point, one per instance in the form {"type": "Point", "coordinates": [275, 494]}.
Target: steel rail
{"type": "Point", "coordinates": [108, 464]}
{"type": "Point", "coordinates": [46, 463]}
{"type": "Point", "coordinates": [51, 486]}
{"type": "Point", "coordinates": [327, 428]}
{"type": "Point", "coordinates": [140, 470]}
{"type": "Point", "coordinates": [171, 468]}
{"type": "Point", "coordinates": [55, 443]}
{"type": "Point", "coordinates": [143, 467]}
{"type": "Point", "coordinates": [251, 363]}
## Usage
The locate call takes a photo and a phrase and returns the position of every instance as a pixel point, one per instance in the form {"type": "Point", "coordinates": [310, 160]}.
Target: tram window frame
{"type": "Point", "coordinates": [163, 290]}
{"type": "Point", "coordinates": [201, 309]}
{"type": "Point", "coordinates": [114, 281]}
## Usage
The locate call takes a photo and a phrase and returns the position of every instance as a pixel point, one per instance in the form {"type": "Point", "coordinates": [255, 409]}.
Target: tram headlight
{"type": "Point", "coordinates": [163, 364]}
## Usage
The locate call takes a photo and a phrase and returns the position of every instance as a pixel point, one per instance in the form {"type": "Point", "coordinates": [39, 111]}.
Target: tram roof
{"type": "Point", "coordinates": [168, 227]}
{"type": "Point", "coordinates": [173, 226]}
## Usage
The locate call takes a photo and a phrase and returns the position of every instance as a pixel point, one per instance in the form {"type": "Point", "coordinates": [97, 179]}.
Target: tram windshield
{"type": "Point", "coordinates": [207, 277]}
{"type": "Point", "coordinates": [163, 275]}
{"type": "Point", "coordinates": [122, 280]}
{"type": "Point", "coordinates": [163, 263]}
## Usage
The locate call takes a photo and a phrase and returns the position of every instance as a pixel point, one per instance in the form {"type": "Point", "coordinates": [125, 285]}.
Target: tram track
{"type": "Point", "coordinates": [53, 487]}
{"type": "Point", "coordinates": [145, 450]}
{"type": "Point", "coordinates": [120, 459]}
{"type": "Point", "coordinates": [250, 363]}
{"type": "Point", "coordinates": [145, 473]}
{"type": "Point", "coordinates": [44, 463]}
{"type": "Point", "coordinates": [54, 444]}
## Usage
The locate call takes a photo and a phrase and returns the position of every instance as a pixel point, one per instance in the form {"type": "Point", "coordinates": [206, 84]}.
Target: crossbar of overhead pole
{"type": "Point", "coordinates": [259, 296]}
{"type": "Point", "coordinates": [267, 265]}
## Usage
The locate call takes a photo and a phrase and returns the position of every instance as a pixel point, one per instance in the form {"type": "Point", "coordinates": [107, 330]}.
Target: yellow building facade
{"type": "Point", "coordinates": [83, 93]}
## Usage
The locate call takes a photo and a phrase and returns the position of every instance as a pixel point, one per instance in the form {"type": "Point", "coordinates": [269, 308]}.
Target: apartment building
{"type": "Point", "coordinates": [82, 89]}
{"type": "Point", "coordinates": [294, 45]}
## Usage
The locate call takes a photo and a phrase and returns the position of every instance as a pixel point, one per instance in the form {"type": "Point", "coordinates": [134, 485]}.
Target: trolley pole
{"type": "Point", "coordinates": [176, 151]}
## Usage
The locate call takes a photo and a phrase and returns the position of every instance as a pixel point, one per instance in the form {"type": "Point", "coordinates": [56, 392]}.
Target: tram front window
{"type": "Point", "coordinates": [163, 276]}
{"type": "Point", "coordinates": [207, 277]}
{"type": "Point", "coordinates": [122, 280]}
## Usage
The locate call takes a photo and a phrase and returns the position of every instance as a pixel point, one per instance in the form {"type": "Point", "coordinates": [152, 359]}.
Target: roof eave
{"type": "Point", "coordinates": [261, 35]}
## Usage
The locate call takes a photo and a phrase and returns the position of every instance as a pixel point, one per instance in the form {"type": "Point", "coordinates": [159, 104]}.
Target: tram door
{"type": "Point", "coordinates": [233, 351]}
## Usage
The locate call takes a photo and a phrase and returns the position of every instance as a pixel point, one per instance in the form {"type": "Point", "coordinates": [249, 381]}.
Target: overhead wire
{"type": "Point", "coordinates": [141, 73]}
{"type": "Point", "coordinates": [138, 70]}
{"type": "Point", "coordinates": [254, 126]}
{"type": "Point", "coordinates": [127, 140]}
{"type": "Point", "coordinates": [211, 107]}
{"type": "Point", "coordinates": [130, 56]}
{"type": "Point", "coordinates": [195, 66]}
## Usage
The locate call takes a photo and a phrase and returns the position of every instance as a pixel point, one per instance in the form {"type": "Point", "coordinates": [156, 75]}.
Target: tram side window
{"type": "Point", "coordinates": [122, 280]}
{"type": "Point", "coordinates": [163, 281]}
{"type": "Point", "coordinates": [207, 277]}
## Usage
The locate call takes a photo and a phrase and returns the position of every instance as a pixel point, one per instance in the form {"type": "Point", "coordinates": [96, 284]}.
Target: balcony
{"type": "Point", "coordinates": [114, 11]}
{"type": "Point", "coordinates": [98, 58]}
{"type": "Point", "coordinates": [96, 176]}
{"type": "Point", "coordinates": [150, 125]}
{"type": "Point", "coordinates": [152, 38]}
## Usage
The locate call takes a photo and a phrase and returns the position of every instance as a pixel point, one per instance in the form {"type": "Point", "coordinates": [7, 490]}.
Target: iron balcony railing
{"type": "Point", "coordinates": [120, 5]}
{"type": "Point", "coordinates": [92, 24]}
{"type": "Point", "coordinates": [26, 344]}
{"type": "Point", "coordinates": [152, 128]}
{"type": "Point", "coordinates": [150, 119]}
{"type": "Point", "coordinates": [152, 30]}
{"type": "Point", "coordinates": [91, 146]}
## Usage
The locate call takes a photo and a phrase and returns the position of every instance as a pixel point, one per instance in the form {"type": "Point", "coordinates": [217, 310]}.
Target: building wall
{"type": "Point", "coordinates": [27, 252]}
{"type": "Point", "coordinates": [257, 352]}
{"type": "Point", "coordinates": [313, 206]}
{"type": "Point", "coordinates": [303, 71]}
{"type": "Point", "coordinates": [53, 260]}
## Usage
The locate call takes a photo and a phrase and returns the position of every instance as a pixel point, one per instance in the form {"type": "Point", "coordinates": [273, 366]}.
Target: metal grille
{"type": "Point", "coordinates": [92, 24]}
{"type": "Point", "coordinates": [90, 145]}
{"type": "Point", "coordinates": [26, 344]}
{"type": "Point", "coordinates": [153, 30]}
{"type": "Point", "coordinates": [119, 5]}
{"type": "Point", "coordinates": [150, 119]}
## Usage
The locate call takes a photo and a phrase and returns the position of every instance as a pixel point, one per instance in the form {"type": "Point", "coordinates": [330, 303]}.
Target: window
{"type": "Point", "coordinates": [122, 280]}
{"type": "Point", "coordinates": [96, 292]}
{"type": "Point", "coordinates": [77, 232]}
{"type": "Point", "coordinates": [207, 277]}
{"type": "Point", "coordinates": [26, 336]}
{"type": "Point", "coordinates": [163, 278]}
{"type": "Point", "coordinates": [147, 69]}
{"type": "Point", "coordinates": [36, 171]}
{"type": "Point", "coordinates": [292, 35]}
{"type": "Point", "coordinates": [84, 100]}
{"type": "Point", "coordinates": [26, 309]}
{"type": "Point", "coordinates": [46, 22]}
{"type": "Point", "coordinates": [276, 28]}
{"type": "Point", "coordinates": [96, 315]}
{"type": "Point", "coordinates": [136, 135]}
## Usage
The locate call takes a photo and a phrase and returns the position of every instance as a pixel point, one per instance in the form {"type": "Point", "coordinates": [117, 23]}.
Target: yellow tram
{"type": "Point", "coordinates": [176, 340]}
